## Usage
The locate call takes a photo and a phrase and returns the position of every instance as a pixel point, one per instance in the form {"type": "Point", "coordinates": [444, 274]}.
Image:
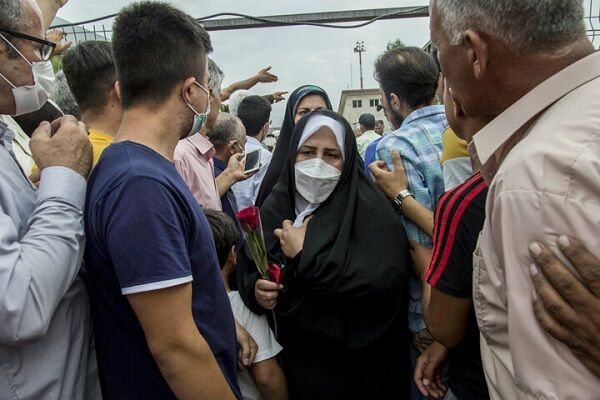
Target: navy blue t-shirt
{"type": "Point", "coordinates": [145, 231]}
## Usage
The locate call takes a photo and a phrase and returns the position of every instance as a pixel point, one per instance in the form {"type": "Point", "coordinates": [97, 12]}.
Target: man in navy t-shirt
{"type": "Point", "coordinates": [163, 322]}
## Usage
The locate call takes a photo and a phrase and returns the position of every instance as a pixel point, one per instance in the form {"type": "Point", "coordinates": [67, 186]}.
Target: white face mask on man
{"type": "Point", "coordinates": [31, 98]}
{"type": "Point", "coordinates": [316, 180]}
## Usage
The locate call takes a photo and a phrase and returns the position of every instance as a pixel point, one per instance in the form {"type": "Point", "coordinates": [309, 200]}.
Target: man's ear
{"type": "Point", "coordinates": [478, 53]}
{"type": "Point", "coordinates": [186, 90]}
{"type": "Point", "coordinates": [117, 90]}
{"type": "Point", "coordinates": [395, 102]}
{"type": "Point", "coordinates": [232, 256]}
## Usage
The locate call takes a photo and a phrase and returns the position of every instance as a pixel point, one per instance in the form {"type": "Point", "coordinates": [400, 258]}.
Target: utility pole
{"type": "Point", "coordinates": [360, 48]}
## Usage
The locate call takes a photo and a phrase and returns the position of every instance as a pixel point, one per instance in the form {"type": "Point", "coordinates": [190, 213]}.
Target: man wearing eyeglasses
{"type": "Point", "coordinates": [46, 347]}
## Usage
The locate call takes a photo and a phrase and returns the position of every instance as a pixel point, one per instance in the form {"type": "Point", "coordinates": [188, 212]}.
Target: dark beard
{"type": "Point", "coordinates": [397, 119]}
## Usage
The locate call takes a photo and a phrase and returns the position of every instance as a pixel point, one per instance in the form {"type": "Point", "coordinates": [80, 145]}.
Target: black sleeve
{"type": "Point", "coordinates": [451, 269]}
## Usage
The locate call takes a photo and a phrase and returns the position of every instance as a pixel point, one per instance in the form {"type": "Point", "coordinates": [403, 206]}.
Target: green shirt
{"type": "Point", "coordinates": [364, 140]}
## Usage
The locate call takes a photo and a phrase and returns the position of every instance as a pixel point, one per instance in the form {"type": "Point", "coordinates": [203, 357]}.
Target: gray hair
{"type": "Point", "coordinates": [236, 99]}
{"type": "Point", "coordinates": [13, 18]}
{"type": "Point", "coordinates": [62, 96]}
{"type": "Point", "coordinates": [227, 128]}
{"type": "Point", "coordinates": [525, 25]}
{"type": "Point", "coordinates": [11, 14]}
{"type": "Point", "coordinates": [215, 77]}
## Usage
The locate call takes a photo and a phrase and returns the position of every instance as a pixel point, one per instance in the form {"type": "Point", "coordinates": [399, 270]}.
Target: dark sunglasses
{"type": "Point", "coordinates": [47, 46]}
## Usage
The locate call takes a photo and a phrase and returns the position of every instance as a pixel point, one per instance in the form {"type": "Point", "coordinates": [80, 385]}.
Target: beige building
{"type": "Point", "coordinates": [354, 103]}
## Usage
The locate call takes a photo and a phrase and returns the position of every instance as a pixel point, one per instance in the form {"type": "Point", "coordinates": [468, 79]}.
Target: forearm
{"type": "Point", "coordinates": [49, 8]}
{"type": "Point", "coordinates": [426, 295]}
{"type": "Point", "coordinates": [241, 85]}
{"type": "Point", "coordinates": [191, 370]}
{"type": "Point", "coordinates": [418, 214]}
{"type": "Point", "coordinates": [37, 269]}
{"type": "Point", "coordinates": [224, 182]}
{"type": "Point", "coordinates": [447, 317]}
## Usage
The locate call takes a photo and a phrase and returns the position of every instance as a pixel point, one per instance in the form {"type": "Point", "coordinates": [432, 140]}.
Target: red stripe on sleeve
{"type": "Point", "coordinates": [452, 198]}
{"type": "Point", "coordinates": [453, 227]}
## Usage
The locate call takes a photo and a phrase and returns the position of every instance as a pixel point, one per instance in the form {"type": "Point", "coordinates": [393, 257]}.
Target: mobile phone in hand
{"type": "Point", "coordinates": [252, 162]}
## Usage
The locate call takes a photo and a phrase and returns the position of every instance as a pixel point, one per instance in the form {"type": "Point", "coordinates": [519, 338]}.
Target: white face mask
{"type": "Point", "coordinates": [32, 98]}
{"type": "Point", "coordinates": [316, 180]}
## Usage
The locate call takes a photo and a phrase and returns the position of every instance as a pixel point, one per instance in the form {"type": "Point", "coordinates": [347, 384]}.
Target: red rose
{"type": "Point", "coordinates": [275, 273]}
{"type": "Point", "coordinates": [249, 218]}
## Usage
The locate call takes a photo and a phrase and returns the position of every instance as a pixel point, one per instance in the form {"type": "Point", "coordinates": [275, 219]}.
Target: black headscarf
{"type": "Point", "coordinates": [283, 143]}
{"type": "Point", "coordinates": [347, 287]}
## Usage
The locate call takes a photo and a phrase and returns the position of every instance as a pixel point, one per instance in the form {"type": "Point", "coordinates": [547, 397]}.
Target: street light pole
{"type": "Point", "coordinates": [360, 48]}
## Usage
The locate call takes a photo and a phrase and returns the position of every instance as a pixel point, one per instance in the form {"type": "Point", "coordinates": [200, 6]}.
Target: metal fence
{"type": "Point", "coordinates": [100, 28]}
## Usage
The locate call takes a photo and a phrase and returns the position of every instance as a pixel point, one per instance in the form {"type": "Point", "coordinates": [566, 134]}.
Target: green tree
{"type": "Point", "coordinates": [395, 44]}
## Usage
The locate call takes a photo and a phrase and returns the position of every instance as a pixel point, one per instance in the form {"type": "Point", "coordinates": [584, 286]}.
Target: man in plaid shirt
{"type": "Point", "coordinates": [408, 79]}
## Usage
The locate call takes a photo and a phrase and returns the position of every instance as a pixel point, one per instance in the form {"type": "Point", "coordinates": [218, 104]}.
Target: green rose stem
{"type": "Point", "coordinates": [255, 241]}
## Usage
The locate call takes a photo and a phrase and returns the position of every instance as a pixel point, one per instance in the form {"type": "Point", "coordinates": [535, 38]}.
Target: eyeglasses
{"type": "Point", "coordinates": [47, 46]}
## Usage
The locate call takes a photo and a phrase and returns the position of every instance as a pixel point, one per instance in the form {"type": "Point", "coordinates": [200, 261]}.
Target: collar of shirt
{"type": "Point", "coordinates": [253, 142]}
{"type": "Point", "coordinates": [20, 138]}
{"type": "Point", "coordinates": [100, 136]}
{"type": "Point", "coordinates": [6, 136]}
{"type": "Point", "coordinates": [506, 130]}
{"type": "Point", "coordinates": [424, 112]}
{"type": "Point", "coordinates": [202, 144]}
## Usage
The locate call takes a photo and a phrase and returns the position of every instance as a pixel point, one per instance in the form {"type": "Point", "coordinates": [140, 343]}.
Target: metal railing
{"type": "Point", "coordinates": [101, 28]}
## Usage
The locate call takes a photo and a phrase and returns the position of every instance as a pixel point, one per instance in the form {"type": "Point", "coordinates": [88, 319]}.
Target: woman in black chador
{"type": "Point", "coordinates": [341, 314]}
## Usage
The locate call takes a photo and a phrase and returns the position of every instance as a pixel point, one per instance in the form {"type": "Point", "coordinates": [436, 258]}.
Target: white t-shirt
{"type": "Point", "coordinates": [258, 327]}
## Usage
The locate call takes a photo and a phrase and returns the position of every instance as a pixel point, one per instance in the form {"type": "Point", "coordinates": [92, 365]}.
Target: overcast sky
{"type": "Point", "coordinates": [298, 55]}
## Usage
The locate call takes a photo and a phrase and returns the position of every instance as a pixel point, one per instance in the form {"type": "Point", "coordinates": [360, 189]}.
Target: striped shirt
{"type": "Point", "coordinates": [459, 218]}
{"type": "Point", "coordinates": [419, 142]}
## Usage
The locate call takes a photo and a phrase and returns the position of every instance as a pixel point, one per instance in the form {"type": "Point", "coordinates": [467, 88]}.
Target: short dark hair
{"type": "Point", "coordinates": [90, 71]}
{"type": "Point", "coordinates": [410, 73]}
{"type": "Point", "coordinates": [224, 233]}
{"type": "Point", "coordinates": [379, 122]}
{"type": "Point", "coordinates": [155, 47]}
{"type": "Point", "coordinates": [254, 111]}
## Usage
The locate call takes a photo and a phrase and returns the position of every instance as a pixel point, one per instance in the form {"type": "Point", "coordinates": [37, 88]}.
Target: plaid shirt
{"type": "Point", "coordinates": [419, 142]}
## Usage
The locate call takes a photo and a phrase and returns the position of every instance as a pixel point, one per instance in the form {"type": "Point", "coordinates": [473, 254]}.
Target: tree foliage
{"type": "Point", "coordinates": [395, 44]}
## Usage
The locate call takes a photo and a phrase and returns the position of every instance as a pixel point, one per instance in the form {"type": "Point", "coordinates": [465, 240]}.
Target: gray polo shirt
{"type": "Point", "coordinates": [46, 343]}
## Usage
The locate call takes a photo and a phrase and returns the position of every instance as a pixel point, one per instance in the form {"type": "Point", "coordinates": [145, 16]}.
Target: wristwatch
{"type": "Point", "coordinates": [399, 199]}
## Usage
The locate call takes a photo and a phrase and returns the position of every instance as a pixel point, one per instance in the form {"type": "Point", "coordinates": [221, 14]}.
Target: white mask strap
{"type": "Point", "coordinates": [17, 50]}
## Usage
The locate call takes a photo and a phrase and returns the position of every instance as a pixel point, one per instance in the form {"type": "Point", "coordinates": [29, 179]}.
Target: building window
{"type": "Point", "coordinates": [374, 102]}
{"type": "Point", "coordinates": [356, 103]}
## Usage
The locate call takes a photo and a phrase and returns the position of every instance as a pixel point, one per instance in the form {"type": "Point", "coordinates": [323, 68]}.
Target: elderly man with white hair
{"type": "Point", "coordinates": [529, 64]}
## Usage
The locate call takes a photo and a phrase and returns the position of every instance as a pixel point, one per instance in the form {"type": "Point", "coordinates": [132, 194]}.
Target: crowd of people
{"type": "Point", "coordinates": [453, 258]}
